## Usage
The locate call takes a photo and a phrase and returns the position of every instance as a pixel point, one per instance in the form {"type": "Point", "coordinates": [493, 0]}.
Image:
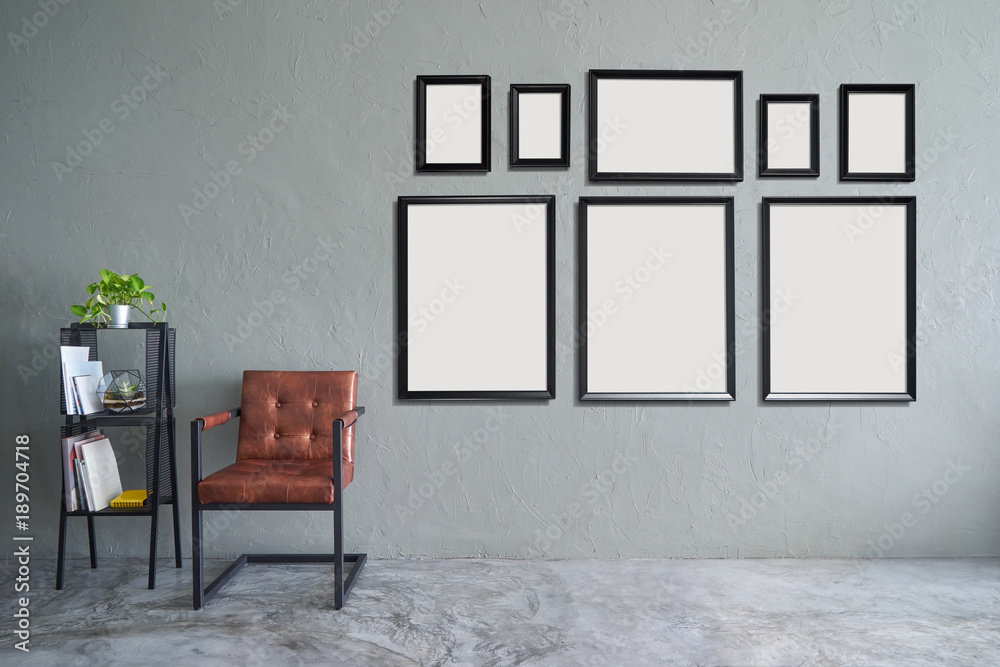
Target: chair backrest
{"type": "Point", "coordinates": [289, 414]}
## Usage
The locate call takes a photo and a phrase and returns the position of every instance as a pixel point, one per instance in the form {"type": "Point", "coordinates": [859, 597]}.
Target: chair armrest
{"type": "Point", "coordinates": [351, 416]}
{"type": "Point", "coordinates": [217, 418]}
{"type": "Point", "coordinates": [197, 427]}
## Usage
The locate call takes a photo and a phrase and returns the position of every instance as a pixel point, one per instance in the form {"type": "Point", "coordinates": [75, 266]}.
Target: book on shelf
{"type": "Point", "coordinates": [133, 498]}
{"type": "Point", "coordinates": [86, 392]}
{"type": "Point", "coordinates": [84, 398]}
{"type": "Point", "coordinates": [69, 466]}
{"type": "Point", "coordinates": [71, 354]}
{"type": "Point", "coordinates": [81, 486]}
{"type": "Point", "coordinates": [101, 477]}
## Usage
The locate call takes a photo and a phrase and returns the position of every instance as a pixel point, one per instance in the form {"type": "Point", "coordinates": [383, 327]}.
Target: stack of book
{"type": "Point", "coordinates": [90, 472]}
{"type": "Point", "coordinates": [80, 378]}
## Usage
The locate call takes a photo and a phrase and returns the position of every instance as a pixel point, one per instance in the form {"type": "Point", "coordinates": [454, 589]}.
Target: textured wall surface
{"type": "Point", "coordinates": [289, 264]}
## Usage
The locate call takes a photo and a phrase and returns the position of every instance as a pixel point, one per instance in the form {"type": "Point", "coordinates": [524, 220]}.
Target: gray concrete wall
{"type": "Point", "coordinates": [304, 236]}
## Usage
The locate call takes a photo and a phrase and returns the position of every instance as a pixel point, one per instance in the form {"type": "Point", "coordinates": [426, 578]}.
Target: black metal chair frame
{"type": "Point", "coordinates": [342, 585]}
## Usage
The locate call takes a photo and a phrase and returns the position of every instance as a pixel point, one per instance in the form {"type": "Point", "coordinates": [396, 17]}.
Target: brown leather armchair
{"type": "Point", "coordinates": [295, 451]}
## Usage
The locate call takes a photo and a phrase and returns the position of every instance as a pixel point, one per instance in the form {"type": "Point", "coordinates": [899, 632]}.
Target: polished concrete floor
{"type": "Point", "coordinates": [490, 612]}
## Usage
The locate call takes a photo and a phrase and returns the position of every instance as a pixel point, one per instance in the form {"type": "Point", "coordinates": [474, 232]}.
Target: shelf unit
{"type": "Point", "coordinates": [158, 420]}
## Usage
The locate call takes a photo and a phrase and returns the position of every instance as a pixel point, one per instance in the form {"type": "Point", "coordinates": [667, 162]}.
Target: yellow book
{"type": "Point", "coordinates": [130, 499]}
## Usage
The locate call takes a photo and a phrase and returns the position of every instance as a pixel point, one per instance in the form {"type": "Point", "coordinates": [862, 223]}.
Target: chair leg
{"type": "Point", "coordinates": [197, 562]}
{"type": "Point", "coordinates": [338, 554]}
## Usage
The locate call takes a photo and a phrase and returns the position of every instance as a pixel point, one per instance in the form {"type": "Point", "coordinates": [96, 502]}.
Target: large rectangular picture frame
{"type": "Point", "coordinates": [879, 137]}
{"type": "Point", "coordinates": [726, 300]}
{"type": "Point", "coordinates": [838, 329]}
{"type": "Point", "coordinates": [794, 125]}
{"type": "Point", "coordinates": [535, 223]}
{"type": "Point", "coordinates": [641, 106]}
{"type": "Point", "coordinates": [429, 139]}
{"type": "Point", "coordinates": [517, 90]}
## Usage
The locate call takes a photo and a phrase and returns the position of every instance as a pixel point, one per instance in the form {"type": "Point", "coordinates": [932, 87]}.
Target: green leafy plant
{"type": "Point", "coordinates": [117, 290]}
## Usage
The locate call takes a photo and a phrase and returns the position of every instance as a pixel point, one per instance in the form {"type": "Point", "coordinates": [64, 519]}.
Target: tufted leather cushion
{"type": "Point", "coordinates": [285, 443]}
{"type": "Point", "coordinates": [264, 481]}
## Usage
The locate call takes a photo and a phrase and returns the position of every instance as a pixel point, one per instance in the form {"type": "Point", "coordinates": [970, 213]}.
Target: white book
{"type": "Point", "coordinates": [101, 473]}
{"type": "Point", "coordinates": [69, 466]}
{"type": "Point", "coordinates": [86, 390]}
{"type": "Point", "coordinates": [94, 369]}
{"type": "Point", "coordinates": [68, 354]}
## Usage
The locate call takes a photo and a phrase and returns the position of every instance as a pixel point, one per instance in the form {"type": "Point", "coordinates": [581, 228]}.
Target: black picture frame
{"type": "Point", "coordinates": [880, 143]}
{"type": "Point", "coordinates": [454, 100]}
{"type": "Point", "coordinates": [790, 125]}
{"type": "Point", "coordinates": [557, 158]}
{"type": "Point", "coordinates": [698, 289]}
{"type": "Point", "coordinates": [848, 274]}
{"type": "Point", "coordinates": [648, 126]}
{"type": "Point", "coordinates": [498, 341]}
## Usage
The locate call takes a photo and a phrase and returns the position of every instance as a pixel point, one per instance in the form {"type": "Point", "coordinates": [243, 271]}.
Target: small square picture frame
{"type": "Point", "coordinates": [877, 132]}
{"type": "Point", "coordinates": [539, 124]}
{"type": "Point", "coordinates": [453, 123]}
{"type": "Point", "coordinates": [788, 145]}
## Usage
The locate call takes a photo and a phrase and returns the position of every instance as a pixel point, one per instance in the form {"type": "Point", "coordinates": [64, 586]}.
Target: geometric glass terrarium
{"type": "Point", "coordinates": [122, 391]}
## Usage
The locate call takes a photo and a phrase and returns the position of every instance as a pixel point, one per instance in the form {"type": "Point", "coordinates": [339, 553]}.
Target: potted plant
{"type": "Point", "coordinates": [113, 298]}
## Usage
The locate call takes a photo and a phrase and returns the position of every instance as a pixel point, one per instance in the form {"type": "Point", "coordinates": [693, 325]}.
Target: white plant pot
{"type": "Point", "coordinates": [119, 316]}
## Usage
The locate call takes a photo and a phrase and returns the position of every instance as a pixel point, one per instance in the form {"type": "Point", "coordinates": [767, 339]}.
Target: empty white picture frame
{"type": "Point", "coordinates": [789, 135]}
{"type": "Point", "coordinates": [656, 312]}
{"type": "Point", "coordinates": [839, 290]}
{"type": "Point", "coordinates": [666, 125]}
{"type": "Point", "coordinates": [453, 123]}
{"type": "Point", "coordinates": [476, 297]}
{"type": "Point", "coordinates": [539, 125]}
{"type": "Point", "coordinates": [877, 132]}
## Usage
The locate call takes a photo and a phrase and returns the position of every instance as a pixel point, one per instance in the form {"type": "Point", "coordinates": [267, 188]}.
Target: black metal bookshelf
{"type": "Point", "coordinates": [158, 419]}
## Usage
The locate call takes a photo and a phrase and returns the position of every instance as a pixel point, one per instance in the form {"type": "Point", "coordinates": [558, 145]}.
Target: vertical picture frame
{"type": "Point", "coordinates": [657, 299]}
{"type": "Point", "coordinates": [539, 125]}
{"type": "Point", "coordinates": [665, 125]}
{"type": "Point", "coordinates": [877, 132]}
{"type": "Point", "coordinates": [788, 136]}
{"type": "Point", "coordinates": [453, 123]}
{"type": "Point", "coordinates": [476, 297]}
{"type": "Point", "coordinates": [839, 298]}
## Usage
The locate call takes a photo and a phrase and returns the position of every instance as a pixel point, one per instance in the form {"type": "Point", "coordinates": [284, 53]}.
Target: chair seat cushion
{"type": "Point", "coordinates": [268, 481]}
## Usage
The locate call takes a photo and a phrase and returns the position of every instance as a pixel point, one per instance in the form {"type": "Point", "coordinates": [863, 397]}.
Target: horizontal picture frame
{"type": "Point", "coordinates": [665, 125]}
{"type": "Point", "coordinates": [877, 132]}
{"type": "Point", "coordinates": [657, 299]}
{"type": "Point", "coordinates": [839, 298]}
{"type": "Point", "coordinates": [453, 123]}
{"type": "Point", "coordinates": [539, 124]}
{"type": "Point", "coordinates": [788, 136]}
{"type": "Point", "coordinates": [476, 297]}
